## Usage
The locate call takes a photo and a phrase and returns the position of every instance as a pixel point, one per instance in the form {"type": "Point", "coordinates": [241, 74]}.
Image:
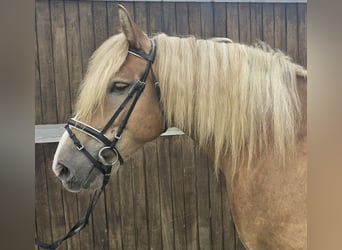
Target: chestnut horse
{"type": "Point", "coordinates": [244, 105]}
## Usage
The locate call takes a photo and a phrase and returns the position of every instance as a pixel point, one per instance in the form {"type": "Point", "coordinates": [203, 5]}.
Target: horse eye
{"type": "Point", "coordinates": [118, 87]}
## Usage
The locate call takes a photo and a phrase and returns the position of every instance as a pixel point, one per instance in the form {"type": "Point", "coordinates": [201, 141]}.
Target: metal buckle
{"type": "Point", "coordinates": [103, 160]}
{"type": "Point", "coordinates": [80, 148]}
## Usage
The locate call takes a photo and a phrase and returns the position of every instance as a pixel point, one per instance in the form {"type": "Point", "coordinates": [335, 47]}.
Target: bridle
{"type": "Point", "coordinates": [102, 164]}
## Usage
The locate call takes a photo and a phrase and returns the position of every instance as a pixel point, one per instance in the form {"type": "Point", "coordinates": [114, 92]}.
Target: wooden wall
{"type": "Point", "coordinates": [167, 196]}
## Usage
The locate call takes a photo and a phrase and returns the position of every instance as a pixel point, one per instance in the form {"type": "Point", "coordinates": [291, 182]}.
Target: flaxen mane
{"type": "Point", "coordinates": [242, 99]}
{"type": "Point", "coordinates": [103, 65]}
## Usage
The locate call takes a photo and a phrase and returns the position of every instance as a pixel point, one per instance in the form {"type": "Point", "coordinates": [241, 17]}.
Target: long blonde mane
{"type": "Point", "coordinates": [240, 99]}
{"type": "Point", "coordinates": [103, 65]}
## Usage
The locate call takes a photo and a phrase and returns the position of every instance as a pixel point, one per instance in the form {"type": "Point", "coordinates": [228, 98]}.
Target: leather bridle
{"type": "Point", "coordinates": [102, 164]}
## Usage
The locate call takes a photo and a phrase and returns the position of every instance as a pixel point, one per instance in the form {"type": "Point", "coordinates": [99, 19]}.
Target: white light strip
{"type": "Point", "coordinates": [50, 133]}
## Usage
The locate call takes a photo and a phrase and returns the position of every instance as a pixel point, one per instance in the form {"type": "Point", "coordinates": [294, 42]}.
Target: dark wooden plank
{"type": "Point", "coordinates": [169, 18]}
{"type": "Point", "coordinates": [220, 20]}
{"type": "Point", "coordinates": [190, 199]}
{"type": "Point", "coordinates": [203, 209]}
{"type": "Point", "coordinates": [45, 53]}
{"type": "Point", "coordinates": [268, 23]}
{"type": "Point", "coordinates": [38, 96]}
{"type": "Point", "coordinates": [280, 27]}
{"type": "Point", "coordinates": [100, 22]}
{"type": "Point", "coordinates": [153, 196]}
{"type": "Point", "coordinates": [60, 61]}
{"type": "Point", "coordinates": [215, 208]}
{"type": "Point", "coordinates": [42, 207]}
{"type": "Point", "coordinates": [155, 17]}
{"type": "Point", "coordinates": [74, 49]}
{"type": "Point", "coordinates": [71, 217]}
{"type": "Point", "coordinates": [227, 220]}
{"type": "Point", "coordinates": [182, 20]}
{"type": "Point", "coordinates": [126, 206]}
{"type": "Point", "coordinates": [87, 32]}
{"type": "Point", "coordinates": [233, 21]}
{"type": "Point", "coordinates": [113, 211]}
{"type": "Point", "coordinates": [165, 186]}
{"type": "Point", "coordinates": [140, 200]}
{"type": "Point", "coordinates": [141, 15]}
{"type": "Point", "coordinates": [207, 20]}
{"type": "Point", "coordinates": [244, 23]}
{"type": "Point", "coordinates": [292, 31]}
{"type": "Point", "coordinates": [302, 48]}
{"type": "Point", "coordinates": [177, 192]}
{"type": "Point", "coordinates": [195, 19]}
{"type": "Point", "coordinates": [55, 193]}
{"type": "Point", "coordinates": [113, 18]}
{"type": "Point", "coordinates": [86, 235]}
{"type": "Point", "coordinates": [256, 22]}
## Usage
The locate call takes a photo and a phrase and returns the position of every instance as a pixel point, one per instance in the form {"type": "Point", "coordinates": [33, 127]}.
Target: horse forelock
{"type": "Point", "coordinates": [242, 99]}
{"type": "Point", "coordinates": [103, 64]}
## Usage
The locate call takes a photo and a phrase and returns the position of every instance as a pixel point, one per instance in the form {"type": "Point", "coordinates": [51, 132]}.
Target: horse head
{"type": "Point", "coordinates": [117, 110]}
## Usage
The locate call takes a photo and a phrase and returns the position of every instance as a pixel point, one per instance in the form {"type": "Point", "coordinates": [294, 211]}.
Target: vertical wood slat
{"type": "Point", "coordinates": [280, 26]}
{"type": "Point", "coordinates": [46, 68]}
{"type": "Point", "coordinates": [113, 204]}
{"type": "Point", "coordinates": [86, 32]}
{"type": "Point", "coordinates": [268, 23]}
{"type": "Point", "coordinates": [220, 20]}
{"type": "Point", "coordinates": [244, 23]}
{"type": "Point", "coordinates": [140, 193]}
{"type": "Point", "coordinates": [182, 20]}
{"type": "Point", "coordinates": [38, 96]}
{"type": "Point", "coordinates": [165, 186]}
{"type": "Point", "coordinates": [177, 192]}
{"type": "Point", "coordinates": [302, 16]}
{"type": "Point", "coordinates": [73, 48]}
{"type": "Point", "coordinates": [56, 199]}
{"type": "Point", "coordinates": [256, 22]}
{"type": "Point", "coordinates": [292, 30]}
{"type": "Point", "coordinates": [126, 206]}
{"type": "Point", "coordinates": [155, 18]}
{"type": "Point", "coordinates": [203, 208]}
{"type": "Point", "coordinates": [190, 201]}
{"type": "Point", "coordinates": [169, 18]}
{"type": "Point", "coordinates": [60, 57]}
{"type": "Point", "coordinates": [42, 206]}
{"type": "Point", "coordinates": [215, 209]}
{"type": "Point", "coordinates": [233, 21]}
{"type": "Point", "coordinates": [113, 18]}
{"type": "Point", "coordinates": [153, 196]}
{"type": "Point", "coordinates": [207, 20]}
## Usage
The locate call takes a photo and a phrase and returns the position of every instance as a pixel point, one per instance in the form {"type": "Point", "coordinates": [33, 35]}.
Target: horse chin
{"type": "Point", "coordinates": [92, 182]}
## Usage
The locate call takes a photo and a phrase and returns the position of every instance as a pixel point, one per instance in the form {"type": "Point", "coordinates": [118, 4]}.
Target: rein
{"type": "Point", "coordinates": [102, 164]}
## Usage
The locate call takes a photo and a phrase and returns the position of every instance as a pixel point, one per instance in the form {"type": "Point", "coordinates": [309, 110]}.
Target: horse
{"type": "Point", "coordinates": [244, 105]}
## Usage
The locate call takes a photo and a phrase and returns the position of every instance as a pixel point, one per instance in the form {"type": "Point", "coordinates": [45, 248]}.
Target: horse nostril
{"type": "Point", "coordinates": [61, 171]}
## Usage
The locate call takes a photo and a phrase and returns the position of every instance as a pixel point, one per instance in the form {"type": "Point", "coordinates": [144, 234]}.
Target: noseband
{"type": "Point", "coordinates": [102, 164]}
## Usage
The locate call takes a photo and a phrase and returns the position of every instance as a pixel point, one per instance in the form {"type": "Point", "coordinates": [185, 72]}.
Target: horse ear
{"type": "Point", "coordinates": [134, 35]}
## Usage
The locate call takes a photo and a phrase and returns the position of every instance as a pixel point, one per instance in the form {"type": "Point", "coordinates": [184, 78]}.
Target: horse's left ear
{"type": "Point", "coordinates": [134, 35]}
